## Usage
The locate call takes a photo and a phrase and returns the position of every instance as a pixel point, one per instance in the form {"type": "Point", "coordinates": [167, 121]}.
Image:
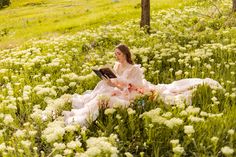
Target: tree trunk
{"type": "Point", "coordinates": [234, 5]}
{"type": "Point", "coordinates": [145, 15]}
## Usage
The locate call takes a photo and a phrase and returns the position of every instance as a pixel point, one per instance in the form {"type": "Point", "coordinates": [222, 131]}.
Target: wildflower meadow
{"type": "Point", "coordinates": [38, 78]}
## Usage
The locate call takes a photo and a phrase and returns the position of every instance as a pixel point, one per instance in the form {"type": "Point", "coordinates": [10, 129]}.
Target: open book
{"type": "Point", "coordinates": [104, 72]}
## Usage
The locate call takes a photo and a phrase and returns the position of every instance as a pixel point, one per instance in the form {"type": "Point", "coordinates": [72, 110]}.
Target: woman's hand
{"type": "Point", "coordinates": [108, 81]}
{"type": "Point", "coordinates": [113, 83]}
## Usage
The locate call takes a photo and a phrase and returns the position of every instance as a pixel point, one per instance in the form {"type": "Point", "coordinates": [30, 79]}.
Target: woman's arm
{"type": "Point", "coordinates": [115, 83]}
{"type": "Point", "coordinates": [133, 81]}
{"type": "Point", "coordinates": [120, 84]}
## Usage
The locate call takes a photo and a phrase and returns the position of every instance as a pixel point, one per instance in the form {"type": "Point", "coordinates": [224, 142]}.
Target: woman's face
{"type": "Point", "coordinates": [119, 56]}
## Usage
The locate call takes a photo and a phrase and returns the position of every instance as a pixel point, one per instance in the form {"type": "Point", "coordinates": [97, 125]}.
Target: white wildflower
{"type": "Point", "coordinates": [59, 146]}
{"type": "Point", "coordinates": [171, 69]}
{"type": "Point", "coordinates": [183, 113]}
{"type": "Point", "coordinates": [8, 119]}
{"type": "Point", "coordinates": [214, 139]}
{"type": "Point", "coordinates": [178, 150]}
{"type": "Point", "coordinates": [109, 111]}
{"type": "Point", "coordinates": [227, 150]}
{"type": "Point", "coordinates": [60, 80]}
{"type": "Point", "coordinates": [9, 148]}
{"type": "Point", "coordinates": [100, 146]}
{"type": "Point", "coordinates": [131, 111]}
{"type": "Point", "coordinates": [174, 142]}
{"type": "Point", "coordinates": [26, 143]}
{"type": "Point", "coordinates": [1, 132]}
{"type": "Point", "coordinates": [204, 114]}
{"type": "Point", "coordinates": [19, 133]}
{"type": "Point", "coordinates": [32, 133]}
{"type": "Point", "coordinates": [193, 110]}
{"type": "Point", "coordinates": [212, 72]}
{"type": "Point", "coordinates": [54, 131]}
{"type": "Point", "coordinates": [173, 122]}
{"type": "Point", "coordinates": [72, 84]}
{"type": "Point", "coordinates": [167, 115]}
{"type": "Point", "coordinates": [231, 131]}
{"type": "Point", "coordinates": [196, 119]}
{"type": "Point", "coordinates": [2, 147]}
{"type": "Point", "coordinates": [71, 128]}
{"type": "Point", "coordinates": [179, 72]}
{"type": "Point", "coordinates": [128, 154]}
{"type": "Point", "coordinates": [214, 99]}
{"type": "Point", "coordinates": [188, 129]}
{"type": "Point", "coordinates": [68, 151]}
{"type": "Point", "coordinates": [233, 95]}
{"type": "Point", "coordinates": [74, 144]}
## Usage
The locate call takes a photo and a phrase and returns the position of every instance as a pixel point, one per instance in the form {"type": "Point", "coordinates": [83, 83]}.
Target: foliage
{"type": "Point", "coordinates": [38, 79]}
{"type": "Point", "coordinates": [40, 18]}
{"type": "Point", "coordinates": [4, 3]}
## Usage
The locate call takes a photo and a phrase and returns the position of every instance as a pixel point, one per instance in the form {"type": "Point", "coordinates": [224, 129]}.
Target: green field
{"type": "Point", "coordinates": [52, 57]}
{"type": "Point", "coordinates": [26, 19]}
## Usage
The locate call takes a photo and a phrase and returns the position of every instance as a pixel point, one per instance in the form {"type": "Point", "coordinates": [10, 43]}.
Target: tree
{"type": "Point", "coordinates": [4, 3]}
{"type": "Point", "coordinates": [145, 15]}
{"type": "Point", "coordinates": [234, 5]}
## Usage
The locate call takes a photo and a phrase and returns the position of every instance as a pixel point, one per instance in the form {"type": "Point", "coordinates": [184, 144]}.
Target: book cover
{"type": "Point", "coordinates": [104, 72]}
{"type": "Point", "coordinates": [99, 74]}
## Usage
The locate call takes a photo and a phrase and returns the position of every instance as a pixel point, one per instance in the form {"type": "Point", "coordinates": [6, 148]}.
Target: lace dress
{"type": "Point", "coordinates": [86, 106]}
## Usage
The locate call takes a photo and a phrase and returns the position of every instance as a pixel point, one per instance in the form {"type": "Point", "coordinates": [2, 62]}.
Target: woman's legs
{"type": "Point", "coordinates": [82, 115]}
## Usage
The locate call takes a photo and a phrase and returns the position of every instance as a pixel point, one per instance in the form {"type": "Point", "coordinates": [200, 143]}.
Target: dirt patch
{"type": "Point", "coordinates": [33, 4]}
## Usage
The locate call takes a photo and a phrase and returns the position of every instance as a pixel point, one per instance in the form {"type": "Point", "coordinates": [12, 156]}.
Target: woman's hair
{"type": "Point", "coordinates": [125, 50]}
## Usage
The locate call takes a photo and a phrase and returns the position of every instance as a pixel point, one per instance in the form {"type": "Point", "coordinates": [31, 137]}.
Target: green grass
{"type": "Point", "coordinates": [39, 78]}
{"type": "Point", "coordinates": [26, 19]}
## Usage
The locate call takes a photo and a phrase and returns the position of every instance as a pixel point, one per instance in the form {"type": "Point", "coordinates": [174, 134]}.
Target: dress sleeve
{"type": "Point", "coordinates": [135, 76]}
{"type": "Point", "coordinates": [115, 67]}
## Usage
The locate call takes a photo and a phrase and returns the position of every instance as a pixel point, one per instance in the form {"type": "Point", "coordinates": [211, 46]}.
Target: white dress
{"type": "Point", "coordinates": [86, 106]}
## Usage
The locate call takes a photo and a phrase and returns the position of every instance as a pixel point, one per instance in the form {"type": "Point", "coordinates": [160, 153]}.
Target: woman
{"type": "Point", "coordinates": [129, 83]}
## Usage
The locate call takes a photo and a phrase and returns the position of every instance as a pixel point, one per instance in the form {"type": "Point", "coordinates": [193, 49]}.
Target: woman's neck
{"type": "Point", "coordinates": [124, 64]}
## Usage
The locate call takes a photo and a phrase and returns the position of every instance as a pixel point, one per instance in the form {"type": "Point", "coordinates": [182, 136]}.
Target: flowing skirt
{"type": "Point", "coordinates": [86, 106]}
{"type": "Point", "coordinates": [181, 91]}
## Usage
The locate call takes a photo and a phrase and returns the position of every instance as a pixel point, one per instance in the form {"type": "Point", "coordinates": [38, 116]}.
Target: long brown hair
{"type": "Point", "coordinates": [125, 50]}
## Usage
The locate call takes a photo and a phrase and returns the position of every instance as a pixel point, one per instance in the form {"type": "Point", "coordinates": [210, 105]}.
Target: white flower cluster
{"type": "Point", "coordinates": [26, 92]}
{"type": "Point", "coordinates": [178, 150]}
{"type": "Point", "coordinates": [74, 144]}
{"type": "Point", "coordinates": [173, 122]}
{"type": "Point", "coordinates": [37, 113]}
{"type": "Point", "coordinates": [8, 119]}
{"type": "Point", "coordinates": [176, 147]}
{"type": "Point", "coordinates": [110, 111]}
{"type": "Point", "coordinates": [227, 150]}
{"type": "Point", "coordinates": [44, 68]}
{"type": "Point", "coordinates": [131, 111]}
{"type": "Point", "coordinates": [44, 91]}
{"type": "Point", "coordinates": [54, 106]}
{"type": "Point", "coordinates": [54, 131]}
{"type": "Point", "coordinates": [71, 77]}
{"type": "Point", "coordinates": [192, 110]}
{"type": "Point", "coordinates": [189, 130]}
{"type": "Point", "coordinates": [101, 146]}
{"type": "Point", "coordinates": [56, 62]}
{"type": "Point", "coordinates": [155, 117]}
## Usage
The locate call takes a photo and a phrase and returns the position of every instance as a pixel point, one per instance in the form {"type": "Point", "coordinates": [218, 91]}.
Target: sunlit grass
{"type": "Point", "coordinates": [38, 79]}
{"type": "Point", "coordinates": [46, 17]}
